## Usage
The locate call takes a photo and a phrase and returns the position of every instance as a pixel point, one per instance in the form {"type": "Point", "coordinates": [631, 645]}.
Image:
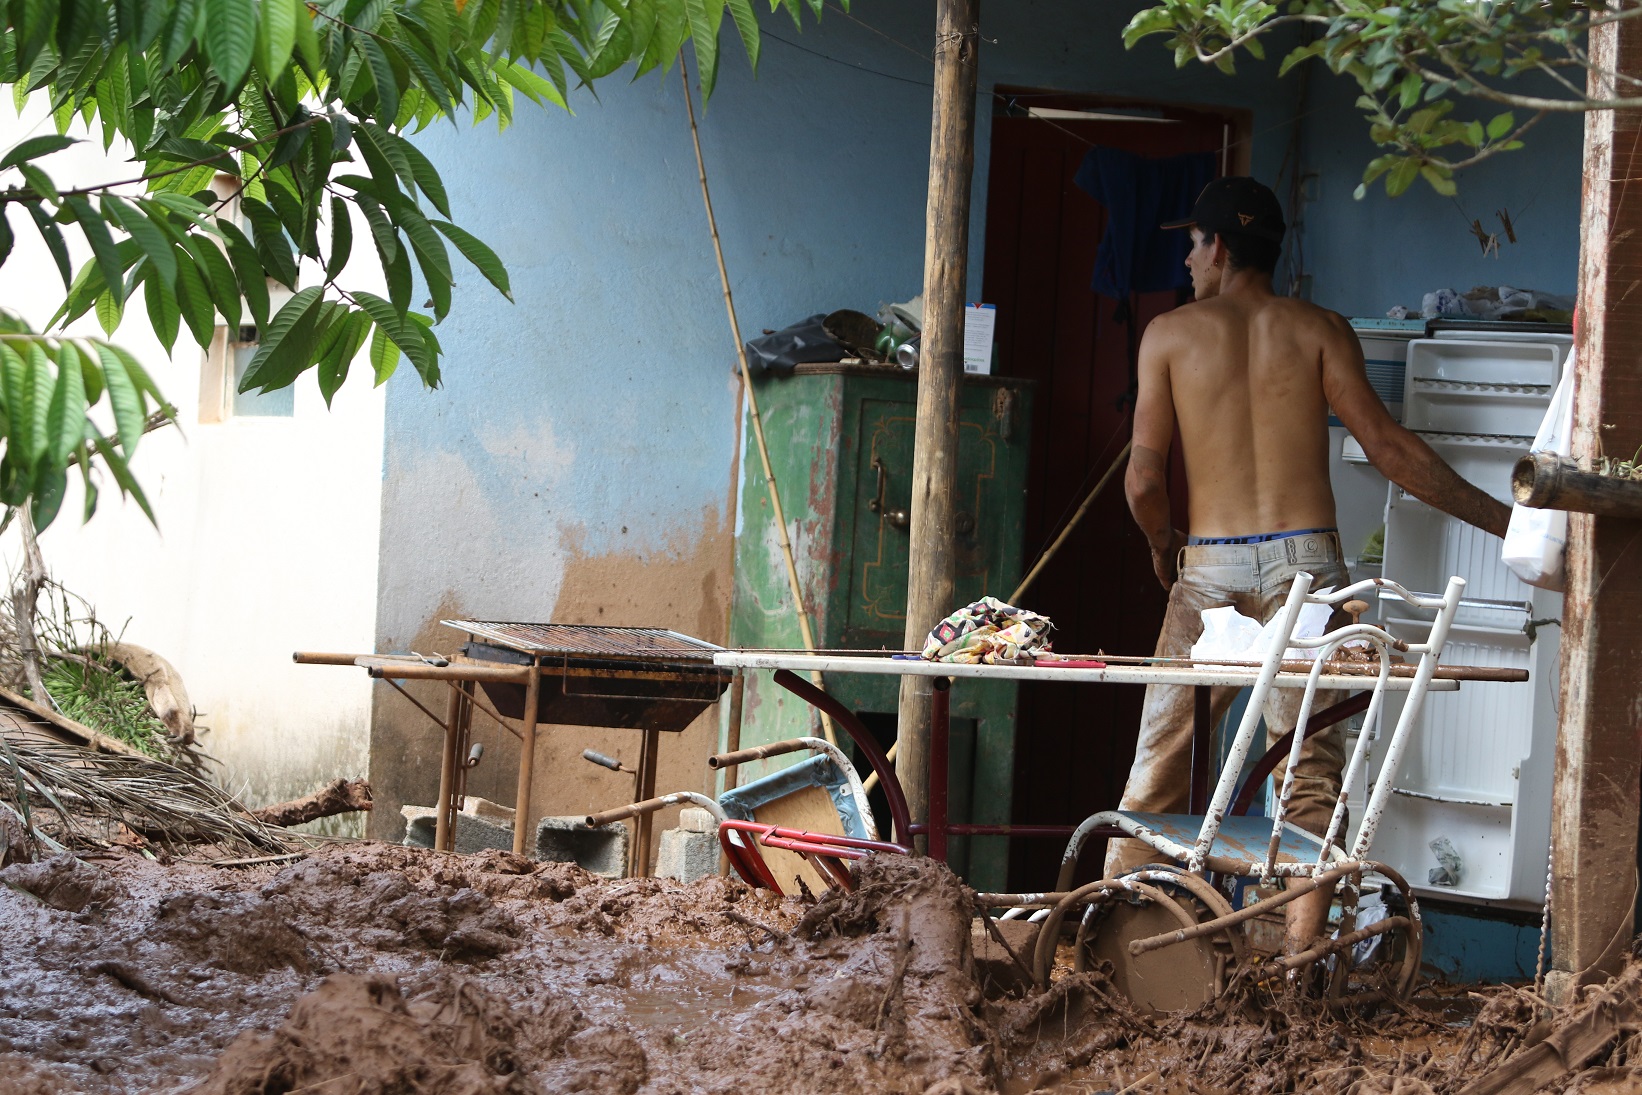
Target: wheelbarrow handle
{"type": "Point", "coordinates": [757, 752]}
{"type": "Point", "coordinates": [603, 761]}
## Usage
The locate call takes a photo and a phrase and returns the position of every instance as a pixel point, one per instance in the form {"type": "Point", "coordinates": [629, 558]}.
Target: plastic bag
{"type": "Point", "coordinates": [1535, 539]}
{"type": "Point", "coordinates": [1230, 636]}
{"type": "Point", "coordinates": [804, 341]}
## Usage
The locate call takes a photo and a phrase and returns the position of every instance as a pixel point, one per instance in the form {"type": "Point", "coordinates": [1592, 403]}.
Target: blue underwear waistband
{"type": "Point", "coordinates": [1265, 537]}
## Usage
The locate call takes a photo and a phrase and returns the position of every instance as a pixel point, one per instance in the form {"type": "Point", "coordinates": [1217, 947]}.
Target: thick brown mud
{"type": "Point", "coordinates": [368, 969]}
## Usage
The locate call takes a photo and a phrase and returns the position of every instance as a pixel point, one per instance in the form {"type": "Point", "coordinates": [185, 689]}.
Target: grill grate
{"type": "Point", "coordinates": [648, 643]}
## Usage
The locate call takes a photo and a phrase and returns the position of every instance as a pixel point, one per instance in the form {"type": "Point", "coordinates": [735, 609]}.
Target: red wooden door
{"type": "Point", "coordinates": [1074, 743]}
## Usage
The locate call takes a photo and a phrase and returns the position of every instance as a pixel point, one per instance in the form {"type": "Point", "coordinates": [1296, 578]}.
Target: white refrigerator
{"type": "Point", "coordinates": [1478, 771]}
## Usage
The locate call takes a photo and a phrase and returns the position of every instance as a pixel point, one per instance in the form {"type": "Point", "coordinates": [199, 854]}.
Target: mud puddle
{"type": "Point", "coordinates": [373, 968]}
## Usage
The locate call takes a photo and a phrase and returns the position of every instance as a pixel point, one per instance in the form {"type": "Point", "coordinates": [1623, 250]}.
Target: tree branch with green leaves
{"type": "Point", "coordinates": [310, 107]}
{"type": "Point", "coordinates": [1415, 62]}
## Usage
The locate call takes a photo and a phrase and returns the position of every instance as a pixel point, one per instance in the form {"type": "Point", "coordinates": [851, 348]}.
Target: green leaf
{"type": "Point", "coordinates": [54, 241]}
{"type": "Point", "coordinates": [125, 396]}
{"type": "Point", "coordinates": [407, 335]}
{"type": "Point", "coordinates": [475, 251]}
{"type": "Point", "coordinates": [387, 84]}
{"type": "Point", "coordinates": [102, 246]}
{"type": "Point", "coordinates": [532, 85]}
{"type": "Point", "coordinates": [746, 25]}
{"type": "Point", "coordinates": [1402, 176]}
{"type": "Point", "coordinates": [705, 16]}
{"type": "Point", "coordinates": [341, 238]}
{"type": "Point", "coordinates": [272, 248]}
{"type": "Point", "coordinates": [333, 366]}
{"type": "Point", "coordinates": [41, 383]}
{"type": "Point", "coordinates": [109, 312]}
{"type": "Point", "coordinates": [382, 232]}
{"type": "Point", "coordinates": [230, 37]}
{"type": "Point", "coordinates": [218, 275]}
{"type": "Point", "coordinates": [35, 147]}
{"type": "Point", "coordinates": [161, 304]}
{"type": "Point", "coordinates": [148, 236]}
{"type": "Point", "coordinates": [14, 382]}
{"type": "Point", "coordinates": [430, 249]}
{"type": "Point", "coordinates": [66, 417]}
{"type": "Point", "coordinates": [1501, 124]}
{"type": "Point", "coordinates": [384, 355]}
{"type": "Point", "coordinates": [285, 345]}
{"type": "Point", "coordinates": [40, 183]}
{"type": "Point", "coordinates": [276, 35]}
{"type": "Point", "coordinates": [122, 475]}
{"type": "Point", "coordinates": [253, 280]}
{"type": "Point", "coordinates": [422, 170]}
{"type": "Point", "coordinates": [195, 300]}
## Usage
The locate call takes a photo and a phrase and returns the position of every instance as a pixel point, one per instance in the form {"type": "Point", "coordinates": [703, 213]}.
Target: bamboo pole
{"type": "Point", "coordinates": [805, 630]}
{"type": "Point", "coordinates": [1043, 560]}
{"type": "Point", "coordinates": [932, 566]}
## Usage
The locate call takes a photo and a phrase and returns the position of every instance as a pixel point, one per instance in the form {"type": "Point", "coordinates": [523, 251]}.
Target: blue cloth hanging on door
{"type": "Point", "coordinates": [1135, 255]}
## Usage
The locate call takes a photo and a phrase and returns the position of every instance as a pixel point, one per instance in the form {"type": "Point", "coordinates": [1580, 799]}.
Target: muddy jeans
{"type": "Point", "coordinates": [1255, 579]}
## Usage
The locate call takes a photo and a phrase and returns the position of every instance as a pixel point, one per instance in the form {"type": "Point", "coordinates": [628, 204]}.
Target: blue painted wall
{"type": "Point", "coordinates": [579, 463]}
{"type": "Point", "coordinates": [1368, 255]}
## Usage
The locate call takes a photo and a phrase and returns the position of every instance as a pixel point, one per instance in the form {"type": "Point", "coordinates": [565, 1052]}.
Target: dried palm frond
{"type": "Point", "coordinates": [92, 794]}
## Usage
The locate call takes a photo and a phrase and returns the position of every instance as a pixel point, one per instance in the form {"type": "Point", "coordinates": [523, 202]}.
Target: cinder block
{"type": "Point", "coordinates": [473, 834]}
{"type": "Point", "coordinates": [693, 819]}
{"type": "Point", "coordinates": [687, 855]}
{"type": "Point", "coordinates": [602, 851]}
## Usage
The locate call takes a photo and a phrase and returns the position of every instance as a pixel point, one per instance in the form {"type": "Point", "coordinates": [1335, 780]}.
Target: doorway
{"type": "Point", "coordinates": [1073, 745]}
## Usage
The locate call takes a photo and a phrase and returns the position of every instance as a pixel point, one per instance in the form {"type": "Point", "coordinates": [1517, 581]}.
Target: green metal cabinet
{"type": "Point", "coordinates": [841, 444]}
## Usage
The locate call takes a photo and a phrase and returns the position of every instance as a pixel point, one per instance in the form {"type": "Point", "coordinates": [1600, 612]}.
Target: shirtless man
{"type": "Point", "coordinates": [1247, 379]}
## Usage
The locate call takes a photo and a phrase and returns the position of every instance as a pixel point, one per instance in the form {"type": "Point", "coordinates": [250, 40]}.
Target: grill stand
{"type": "Point", "coordinates": [457, 730]}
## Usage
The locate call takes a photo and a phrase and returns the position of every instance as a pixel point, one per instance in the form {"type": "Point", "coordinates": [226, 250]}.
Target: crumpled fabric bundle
{"type": "Point", "coordinates": [989, 632]}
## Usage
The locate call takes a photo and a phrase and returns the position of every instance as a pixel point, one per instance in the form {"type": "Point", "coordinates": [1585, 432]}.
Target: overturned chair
{"type": "Point", "coordinates": [1181, 931]}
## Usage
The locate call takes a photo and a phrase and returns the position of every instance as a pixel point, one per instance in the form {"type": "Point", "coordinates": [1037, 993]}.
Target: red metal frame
{"type": "Point", "coordinates": [823, 850]}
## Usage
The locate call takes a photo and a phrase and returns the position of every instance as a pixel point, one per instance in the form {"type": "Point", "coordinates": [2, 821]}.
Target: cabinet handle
{"type": "Point", "coordinates": [877, 504]}
{"type": "Point", "coordinates": [899, 518]}
{"type": "Point", "coordinates": [964, 524]}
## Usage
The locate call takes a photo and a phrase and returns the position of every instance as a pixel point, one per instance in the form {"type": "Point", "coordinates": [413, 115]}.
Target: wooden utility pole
{"type": "Point", "coordinates": [933, 552]}
{"type": "Point", "coordinates": [1598, 756]}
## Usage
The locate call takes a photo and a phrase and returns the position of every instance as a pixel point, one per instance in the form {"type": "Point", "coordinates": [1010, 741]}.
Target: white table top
{"type": "Point", "coordinates": [1236, 676]}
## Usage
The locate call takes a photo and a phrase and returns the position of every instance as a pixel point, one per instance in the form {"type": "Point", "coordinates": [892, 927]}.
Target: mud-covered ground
{"type": "Point", "coordinates": [371, 968]}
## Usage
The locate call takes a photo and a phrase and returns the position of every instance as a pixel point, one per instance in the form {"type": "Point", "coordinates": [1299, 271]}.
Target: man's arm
{"type": "Point", "coordinates": [1147, 480]}
{"type": "Point", "coordinates": [1397, 453]}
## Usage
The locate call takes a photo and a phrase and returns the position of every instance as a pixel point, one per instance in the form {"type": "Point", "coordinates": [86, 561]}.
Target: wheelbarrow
{"type": "Point", "coordinates": [1183, 930]}
{"type": "Point", "coordinates": [788, 831]}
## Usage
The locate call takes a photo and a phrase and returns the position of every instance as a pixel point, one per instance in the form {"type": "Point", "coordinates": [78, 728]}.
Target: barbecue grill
{"type": "Point", "coordinates": [637, 678]}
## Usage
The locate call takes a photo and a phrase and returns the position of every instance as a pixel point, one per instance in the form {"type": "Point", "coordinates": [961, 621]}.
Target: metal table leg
{"type": "Point", "coordinates": [940, 747]}
{"type": "Point", "coordinates": [444, 818]}
{"type": "Point", "coordinates": [645, 827]}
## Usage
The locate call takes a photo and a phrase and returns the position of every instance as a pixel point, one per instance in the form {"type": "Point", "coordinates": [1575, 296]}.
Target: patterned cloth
{"type": "Point", "coordinates": [989, 631]}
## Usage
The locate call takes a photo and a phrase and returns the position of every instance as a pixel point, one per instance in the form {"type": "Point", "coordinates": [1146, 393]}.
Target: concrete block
{"type": "Point", "coordinates": [687, 855]}
{"type": "Point", "coordinates": [473, 834]}
{"type": "Point", "coordinates": [602, 851]}
{"type": "Point", "coordinates": [693, 819]}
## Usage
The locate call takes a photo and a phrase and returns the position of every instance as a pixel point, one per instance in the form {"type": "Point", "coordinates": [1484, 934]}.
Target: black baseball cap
{"type": "Point", "coordinates": [1237, 203]}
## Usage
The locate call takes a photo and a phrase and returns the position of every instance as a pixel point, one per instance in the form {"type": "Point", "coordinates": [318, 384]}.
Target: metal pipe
{"type": "Point", "coordinates": [422, 671]}
{"type": "Point", "coordinates": [651, 805]}
{"type": "Point", "coordinates": [864, 741]}
{"type": "Point", "coordinates": [1138, 947]}
{"type": "Point", "coordinates": [1327, 947]}
{"type": "Point", "coordinates": [310, 657]}
{"type": "Point", "coordinates": [756, 752]}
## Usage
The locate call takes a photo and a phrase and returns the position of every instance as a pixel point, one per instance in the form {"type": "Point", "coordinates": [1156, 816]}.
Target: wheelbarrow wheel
{"type": "Point", "coordinates": [1147, 902]}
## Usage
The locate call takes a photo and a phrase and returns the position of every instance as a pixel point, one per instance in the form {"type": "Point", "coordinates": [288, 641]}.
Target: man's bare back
{"type": "Point", "coordinates": [1245, 376]}
{"type": "Point", "coordinates": [1246, 379]}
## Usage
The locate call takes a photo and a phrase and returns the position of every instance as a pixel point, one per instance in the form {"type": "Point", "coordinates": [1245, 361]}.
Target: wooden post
{"type": "Point", "coordinates": [940, 371]}
{"type": "Point", "coordinates": [522, 834]}
{"type": "Point", "coordinates": [1545, 480]}
{"type": "Point", "coordinates": [1597, 793]}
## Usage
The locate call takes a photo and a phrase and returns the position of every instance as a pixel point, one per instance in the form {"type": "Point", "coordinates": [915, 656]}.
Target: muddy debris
{"type": "Point", "coordinates": [370, 969]}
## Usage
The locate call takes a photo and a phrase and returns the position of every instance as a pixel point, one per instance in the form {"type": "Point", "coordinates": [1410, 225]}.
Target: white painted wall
{"type": "Point", "coordinates": [266, 540]}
